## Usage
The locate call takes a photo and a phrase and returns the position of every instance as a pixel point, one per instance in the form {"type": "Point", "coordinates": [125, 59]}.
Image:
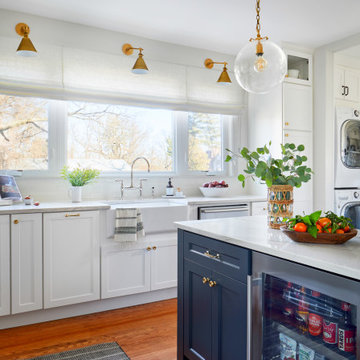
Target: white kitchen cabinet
{"type": "Point", "coordinates": [303, 196]}
{"type": "Point", "coordinates": [164, 265]}
{"type": "Point", "coordinates": [259, 208]}
{"type": "Point", "coordinates": [71, 258]}
{"type": "Point", "coordinates": [125, 269]}
{"type": "Point", "coordinates": [26, 263]}
{"type": "Point", "coordinates": [297, 107]}
{"type": "Point", "coordinates": [346, 84]}
{"type": "Point", "coordinates": [4, 265]}
{"type": "Point", "coordinates": [142, 266]}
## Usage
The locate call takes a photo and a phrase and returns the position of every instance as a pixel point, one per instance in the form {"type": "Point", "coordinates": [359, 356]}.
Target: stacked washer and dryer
{"type": "Point", "coordinates": [347, 164]}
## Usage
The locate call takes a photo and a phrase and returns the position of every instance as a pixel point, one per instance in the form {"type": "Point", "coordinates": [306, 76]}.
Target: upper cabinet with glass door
{"type": "Point", "coordinates": [299, 68]}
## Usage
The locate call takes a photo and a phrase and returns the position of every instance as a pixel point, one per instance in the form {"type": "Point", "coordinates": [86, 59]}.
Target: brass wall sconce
{"type": "Point", "coordinates": [139, 66]}
{"type": "Point", "coordinates": [224, 77]}
{"type": "Point", "coordinates": [26, 47]}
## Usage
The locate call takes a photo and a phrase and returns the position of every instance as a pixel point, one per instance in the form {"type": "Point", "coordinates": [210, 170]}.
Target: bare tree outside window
{"type": "Point", "coordinates": [110, 137]}
{"type": "Point", "coordinates": [205, 142]}
{"type": "Point", "coordinates": [23, 133]}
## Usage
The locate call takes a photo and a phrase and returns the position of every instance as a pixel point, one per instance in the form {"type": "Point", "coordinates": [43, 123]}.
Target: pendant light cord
{"type": "Point", "coordinates": [258, 26]}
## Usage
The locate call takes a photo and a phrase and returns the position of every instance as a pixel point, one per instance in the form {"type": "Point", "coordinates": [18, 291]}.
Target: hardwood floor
{"type": "Point", "coordinates": [145, 332]}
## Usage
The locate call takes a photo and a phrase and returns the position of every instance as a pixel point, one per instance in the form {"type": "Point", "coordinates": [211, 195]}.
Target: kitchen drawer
{"type": "Point", "coordinates": [259, 208]}
{"type": "Point", "coordinates": [230, 260]}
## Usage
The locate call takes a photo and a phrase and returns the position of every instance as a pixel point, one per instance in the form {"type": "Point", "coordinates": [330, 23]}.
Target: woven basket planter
{"type": "Point", "coordinates": [280, 204]}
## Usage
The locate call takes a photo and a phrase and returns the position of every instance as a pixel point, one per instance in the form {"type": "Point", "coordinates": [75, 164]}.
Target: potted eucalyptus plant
{"type": "Point", "coordinates": [78, 178]}
{"type": "Point", "coordinates": [280, 175]}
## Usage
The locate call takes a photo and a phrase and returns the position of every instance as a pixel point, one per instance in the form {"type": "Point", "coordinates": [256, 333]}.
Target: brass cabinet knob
{"type": "Point", "coordinates": [286, 124]}
{"type": "Point", "coordinates": [212, 283]}
{"type": "Point", "coordinates": [16, 221]}
{"type": "Point", "coordinates": [286, 135]}
{"type": "Point", "coordinates": [205, 280]}
{"type": "Point", "coordinates": [154, 248]}
{"type": "Point", "coordinates": [148, 248]}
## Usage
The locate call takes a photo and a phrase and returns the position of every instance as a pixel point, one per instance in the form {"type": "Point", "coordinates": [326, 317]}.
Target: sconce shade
{"type": "Point", "coordinates": [26, 47]}
{"type": "Point", "coordinates": [224, 77]}
{"type": "Point", "coordinates": [140, 66]}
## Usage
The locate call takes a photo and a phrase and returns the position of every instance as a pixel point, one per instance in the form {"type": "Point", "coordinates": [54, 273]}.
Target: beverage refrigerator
{"type": "Point", "coordinates": [296, 312]}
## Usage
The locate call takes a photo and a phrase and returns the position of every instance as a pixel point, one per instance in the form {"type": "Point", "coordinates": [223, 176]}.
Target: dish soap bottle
{"type": "Point", "coordinates": [169, 189]}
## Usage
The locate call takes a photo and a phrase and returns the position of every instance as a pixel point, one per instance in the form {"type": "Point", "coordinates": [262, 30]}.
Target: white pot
{"type": "Point", "coordinates": [75, 194]}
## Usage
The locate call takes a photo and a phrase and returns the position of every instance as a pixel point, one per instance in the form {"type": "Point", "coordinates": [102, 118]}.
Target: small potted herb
{"type": "Point", "coordinates": [280, 176]}
{"type": "Point", "coordinates": [78, 178]}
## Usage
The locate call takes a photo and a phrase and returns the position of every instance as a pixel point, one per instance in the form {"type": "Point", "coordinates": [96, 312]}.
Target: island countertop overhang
{"type": "Point", "coordinates": [252, 232]}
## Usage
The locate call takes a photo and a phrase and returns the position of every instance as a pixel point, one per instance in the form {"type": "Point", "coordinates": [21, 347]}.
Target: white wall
{"type": "Point", "coordinates": [84, 37]}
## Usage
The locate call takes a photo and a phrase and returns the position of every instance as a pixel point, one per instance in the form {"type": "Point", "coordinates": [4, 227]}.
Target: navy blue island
{"type": "Point", "coordinates": [246, 292]}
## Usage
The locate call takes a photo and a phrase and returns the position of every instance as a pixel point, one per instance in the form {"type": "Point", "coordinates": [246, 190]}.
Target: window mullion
{"type": "Point", "coordinates": [57, 136]}
{"type": "Point", "coordinates": [181, 151]}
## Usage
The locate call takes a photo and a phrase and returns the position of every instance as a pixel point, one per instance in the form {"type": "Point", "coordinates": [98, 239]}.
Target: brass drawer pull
{"type": "Point", "coordinates": [148, 248]}
{"type": "Point", "coordinates": [154, 248]}
{"type": "Point", "coordinates": [207, 253]}
{"type": "Point", "coordinates": [286, 124]}
{"type": "Point", "coordinates": [205, 280]}
{"type": "Point", "coordinates": [16, 221]}
{"type": "Point", "coordinates": [212, 283]}
{"type": "Point", "coordinates": [286, 135]}
{"type": "Point", "coordinates": [71, 215]}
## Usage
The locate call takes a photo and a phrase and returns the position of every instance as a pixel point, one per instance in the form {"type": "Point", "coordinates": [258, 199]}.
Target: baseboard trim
{"type": "Point", "coordinates": [61, 312]}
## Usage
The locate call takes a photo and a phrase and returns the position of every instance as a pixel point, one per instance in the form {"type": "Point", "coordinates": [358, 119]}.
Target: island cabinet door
{"type": "Point", "coordinates": [197, 312]}
{"type": "Point", "coordinates": [229, 323]}
{"type": "Point", "coordinates": [71, 258]}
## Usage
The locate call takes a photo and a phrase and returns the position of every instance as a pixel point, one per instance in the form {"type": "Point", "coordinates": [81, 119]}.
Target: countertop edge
{"type": "Point", "coordinates": [321, 265]}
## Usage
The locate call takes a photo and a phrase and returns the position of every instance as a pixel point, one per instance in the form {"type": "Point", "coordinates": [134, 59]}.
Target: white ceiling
{"type": "Point", "coordinates": [222, 25]}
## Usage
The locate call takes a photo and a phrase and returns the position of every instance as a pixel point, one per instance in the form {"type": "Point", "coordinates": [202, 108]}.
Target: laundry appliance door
{"type": "Point", "coordinates": [352, 211]}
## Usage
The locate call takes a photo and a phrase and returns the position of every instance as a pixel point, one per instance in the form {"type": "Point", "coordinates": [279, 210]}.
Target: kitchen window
{"type": "Point", "coordinates": [40, 136]}
{"type": "Point", "coordinates": [110, 137]}
{"type": "Point", "coordinates": [23, 133]}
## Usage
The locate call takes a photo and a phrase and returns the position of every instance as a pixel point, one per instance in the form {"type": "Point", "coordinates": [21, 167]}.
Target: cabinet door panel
{"type": "Point", "coordinates": [297, 100]}
{"type": "Point", "coordinates": [71, 258]}
{"type": "Point", "coordinates": [163, 266]}
{"type": "Point", "coordinates": [124, 271]}
{"type": "Point", "coordinates": [4, 265]}
{"type": "Point", "coordinates": [352, 83]}
{"type": "Point", "coordinates": [259, 208]}
{"type": "Point", "coordinates": [339, 82]}
{"type": "Point", "coordinates": [229, 318]}
{"type": "Point", "coordinates": [303, 194]}
{"type": "Point", "coordinates": [26, 262]}
{"type": "Point", "coordinates": [197, 312]}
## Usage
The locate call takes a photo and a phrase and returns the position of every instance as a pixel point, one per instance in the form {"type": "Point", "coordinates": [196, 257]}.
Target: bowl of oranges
{"type": "Point", "coordinates": [318, 229]}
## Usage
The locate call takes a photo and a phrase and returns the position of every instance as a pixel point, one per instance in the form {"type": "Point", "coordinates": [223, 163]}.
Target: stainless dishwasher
{"type": "Point", "coordinates": [225, 211]}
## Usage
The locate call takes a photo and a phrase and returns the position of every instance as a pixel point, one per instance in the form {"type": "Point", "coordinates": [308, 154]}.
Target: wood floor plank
{"type": "Point", "coordinates": [145, 332]}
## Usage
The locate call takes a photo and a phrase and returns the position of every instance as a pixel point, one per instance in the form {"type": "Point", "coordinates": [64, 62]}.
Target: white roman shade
{"type": "Point", "coordinates": [67, 73]}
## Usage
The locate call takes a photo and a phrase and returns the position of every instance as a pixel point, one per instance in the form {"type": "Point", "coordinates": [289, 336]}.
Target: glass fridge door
{"type": "Point", "coordinates": [300, 313]}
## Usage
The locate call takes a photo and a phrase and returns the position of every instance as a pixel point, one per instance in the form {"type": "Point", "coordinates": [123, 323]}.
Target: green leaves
{"type": "Point", "coordinates": [79, 177]}
{"type": "Point", "coordinates": [308, 220]}
{"type": "Point", "coordinates": [288, 170]}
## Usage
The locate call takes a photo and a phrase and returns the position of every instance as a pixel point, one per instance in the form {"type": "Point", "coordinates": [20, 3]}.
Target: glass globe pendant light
{"type": "Point", "coordinates": [261, 64]}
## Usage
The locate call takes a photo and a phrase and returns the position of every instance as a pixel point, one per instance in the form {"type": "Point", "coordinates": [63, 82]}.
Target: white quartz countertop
{"type": "Point", "coordinates": [52, 207]}
{"type": "Point", "coordinates": [113, 204]}
{"type": "Point", "coordinates": [253, 233]}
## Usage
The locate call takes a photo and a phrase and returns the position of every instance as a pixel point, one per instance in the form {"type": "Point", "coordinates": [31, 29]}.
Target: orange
{"type": "Point", "coordinates": [300, 227]}
{"type": "Point", "coordinates": [324, 222]}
